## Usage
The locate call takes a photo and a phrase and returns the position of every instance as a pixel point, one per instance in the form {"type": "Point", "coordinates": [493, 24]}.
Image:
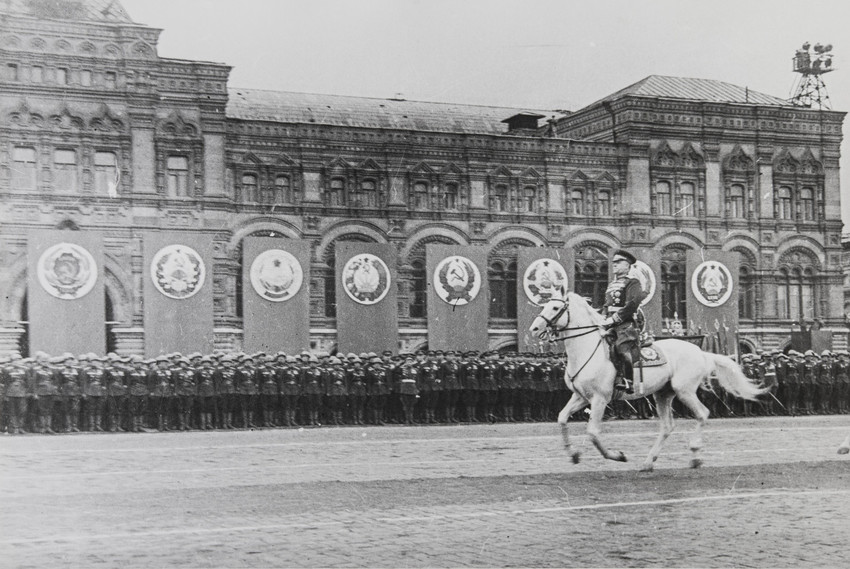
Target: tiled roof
{"type": "Point", "coordinates": [339, 110]}
{"type": "Point", "coordinates": [695, 90]}
{"type": "Point", "coordinates": [80, 10]}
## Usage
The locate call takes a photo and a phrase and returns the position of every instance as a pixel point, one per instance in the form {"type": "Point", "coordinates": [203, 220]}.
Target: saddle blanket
{"type": "Point", "coordinates": [652, 356]}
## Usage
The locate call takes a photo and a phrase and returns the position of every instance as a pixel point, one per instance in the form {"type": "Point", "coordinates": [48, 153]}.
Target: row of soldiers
{"type": "Point", "coordinates": [224, 391]}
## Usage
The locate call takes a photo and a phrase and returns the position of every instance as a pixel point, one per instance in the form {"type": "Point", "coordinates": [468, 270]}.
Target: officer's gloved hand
{"type": "Point", "coordinates": [608, 323]}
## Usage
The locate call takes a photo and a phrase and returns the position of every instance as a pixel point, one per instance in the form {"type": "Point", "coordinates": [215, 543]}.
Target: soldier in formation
{"type": "Point", "coordinates": [227, 391]}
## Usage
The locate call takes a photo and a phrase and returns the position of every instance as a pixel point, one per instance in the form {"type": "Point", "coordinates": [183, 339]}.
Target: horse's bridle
{"type": "Point", "coordinates": [552, 328]}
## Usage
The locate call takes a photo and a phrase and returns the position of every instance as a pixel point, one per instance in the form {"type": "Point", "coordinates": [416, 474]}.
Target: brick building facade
{"type": "Point", "coordinates": [99, 132]}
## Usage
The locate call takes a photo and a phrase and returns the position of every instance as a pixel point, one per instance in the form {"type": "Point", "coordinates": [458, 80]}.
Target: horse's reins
{"type": "Point", "coordinates": [550, 325]}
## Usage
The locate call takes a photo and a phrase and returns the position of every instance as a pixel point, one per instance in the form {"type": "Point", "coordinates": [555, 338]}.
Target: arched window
{"type": "Point", "coordinates": [784, 203]}
{"type": "Point", "coordinates": [577, 201]}
{"type": "Point", "coordinates": [664, 198]}
{"type": "Point", "coordinates": [450, 196]}
{"type": "Point", "coordinates": [685, 205]}
{"type": "Point", "coordinates": [529, 200]}
{"type": "Point", "coordinates": [807, 204]}
{"type": "Point", "coordinates": [249, 188]}
{"type": "Point", "coordinates": [336, 193]}
{"type": "Point", "coordinates": [65, 170]}
{"type": "Point", "coordinates": [178, 176]}
{"type": "Point", "coordinates": [603, 204]}
{"type": "Point", "coordinates": [418, 290]}
{"type": "Point", "coordinates": [736, 202]}
{"type": "Point", "coordinates": [592, 280]}
{"type": "Point", "coordinates": [796, 294]}
{"type": "Point", "coordinates": [282, 190]}
{"type": "Point", "coordinates": [499, 199]}
{"type": "Point", "coordinates": [24, 168]}
{"type": "Point", "coordinates": [746, 294]}
{"type": "Point", "coordinates": [674, 286]}
{"type": "Point", "coordinates": [503, 283]}
{"type": "Point", "coordinates": [368, 195]}
{"type": "Point", "coordinates": [420, 196]}
{"type": "Point", "coordinates": [105, 174]}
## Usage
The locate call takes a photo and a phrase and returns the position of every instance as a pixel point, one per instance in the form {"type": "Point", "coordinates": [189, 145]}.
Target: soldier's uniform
{"type": "Point", "coordinates": [508, 386]}
{"type": "Point", "coordinates": [312, 384]}
{"type": "Point", "coordinates": [811, 371]}
{"type": "Point", "coordinates": [842, 382]}
{"type": "Point", "coordinates": [489, 385]}
{"type": "Point", "coordinates": [225, 390]}
{"type": "Point", "coordinates": [17, 395]}
{"type": "Point", "coordinates": [450, 374]}
{"type": "Point", "coordinates": [826, 382]}
{"type": "Point", "coordinates": [357, 389]}
{"type": "Point", "coordinates": [622, 300]}
{"type": "Point", "coordinates": [377, 390]}
{"type": "Point", "coordinates": [525, 377]}
{"type": "Point", "coordinates": [289, 386]}
{"type": "Point", "coordinates": [544, 388]}
{"type": "Point", "coordinates": [407, 388]}
{"type": "Point", "coordinates": [205, 378]}
{"type": "Point", "coordinates": [430, 387]}
{"type": "Point", "coordinates": [794, 374]}
{"type": "Point", "coordinates": [246, 386]}
{"type": "Point", "coordinates": [46, 391]}
{"type": "Point", "coordinates": [470, 380]}
{"type": "Point", "coordinates": [186, 391]}
{"type": "Point", "coordinates": [780, 362]}
{"type": "Point", "coordinates": [268, 390]}
{"type": "Point", "coordinates": [767, 375]}
{"type": "Point", "coordinates": [336, 388]}
{"type": "Point", "coordinates": [162, 392]}
{"type": "Point", "coordinates": [136, 379]}
{"type": "Point", "coordinates": [116, 391]}
{"type": "Point", "coordinates": [94, 392]}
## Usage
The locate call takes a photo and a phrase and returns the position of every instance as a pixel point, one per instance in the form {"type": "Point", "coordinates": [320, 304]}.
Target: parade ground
{"type": "Point", "coordinates": [772, 493]}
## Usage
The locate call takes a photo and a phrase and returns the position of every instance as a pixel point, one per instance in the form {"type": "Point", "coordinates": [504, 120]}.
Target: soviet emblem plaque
{"type": "Point", "coordinates": [67, 271]}
{"type": "Point", "coordinates": [366, 279]}
{"type": "Point", "coordinates": [178, 271]}
{"type": "Point", "coordinates": [457, 280]}
{"type": "Point", "coordinates": [644, 274]}
{"type": "Point", "coordinates": [711, 283]}
{"type": "Point", "coordinates": [543, 279]}
{"type": "Point", "coordinates": [276, 275]}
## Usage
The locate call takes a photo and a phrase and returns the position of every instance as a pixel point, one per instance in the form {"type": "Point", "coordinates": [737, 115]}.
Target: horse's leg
{"type": "Point", "coordinates": [845, 446]}
{"type": "Point", "coordinates": [664, 407]}
{"type": "Point", "coordinates": [700, 412]}
{"type": "Point", "coordinates": [576, 403]}
{"type": "Point", "coordinates": [594, 428]}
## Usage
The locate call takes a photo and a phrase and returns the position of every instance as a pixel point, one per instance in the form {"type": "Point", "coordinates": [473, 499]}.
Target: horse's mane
{"type": "Point", "coordinates": [583, 307]}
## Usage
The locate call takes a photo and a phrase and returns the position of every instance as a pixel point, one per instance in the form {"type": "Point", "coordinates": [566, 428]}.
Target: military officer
{"type": "Point", "coordinates": [842, 381]}
{"type": "Point", "coordinates": [544, 387]}
{"type": "Point", "coordinates": [377, 390]}
{"type": "Point", "coordinates": [312, 382]}
{"type": "Point", "coordinates": [407, 388]}
{"type": "Point", "coordinates": [450, 374]}
{"type": "Point", "coordinates": [430, 385]}
{"type": "Point", "coordinates": [116, 391]}
{"type": "Point", "coordinates": [268, 390]}
{"type": "Point", "coordinates": [826, 382]}
{"type": "Point", "coordinates": [470, 381]}
{"type": "Point", "coordinates": [18, 393]}
{"type": "Point", "coordinates": [138, 390]}
{"type": "Point", "coordinates": [246, 385]}
{"type": "Point", "coordinates": [289, 386]}
{"type": "Point", "coordinates": [622, 299]}
{"type": "Point", "coordinates": [94, 392]}
{"type": "Point", "coordinates": [227, 397]}
{"type": "Point", "coordinates": [793, 372]}
{"type": "Point", "coordinates": [811, 371]}
{"type": "Point", "coordinates": [336, 387]}
{"type": "Point", "coordinates": [205, 378]}
{"type": "Point", "coordinates": [489, 385]}
{"type": "Point", "coordinates": [508, 385]}
{"type": "Point", "coordinates": [46, 391]}
{"type": "Point", "coordinates": [525, 378]}
{"type": "Point", "coordinates": [357, 388]}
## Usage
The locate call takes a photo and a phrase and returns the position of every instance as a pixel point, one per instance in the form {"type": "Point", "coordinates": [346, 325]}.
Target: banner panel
{"type": "Point", "coordinates": [712, 296]}
{"type": "Point", "coordinates": [65, 292]}
{"type": "Point", "coordinates": [178, 292]}
{"type": "Point", "coordinates": [541, 272]}
{"type": "Point", "coordinates": [648, 271]}
{"type": "Point", "coordinates": [458, 297]}
{"type": "Point", "coordinates": [275, 295]}
{"type": "Point", "coordinates": [366, 297]}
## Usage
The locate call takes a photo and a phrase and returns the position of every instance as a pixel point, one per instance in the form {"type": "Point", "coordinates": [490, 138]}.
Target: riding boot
{"type": "Point", "coordinates": [50, 430]}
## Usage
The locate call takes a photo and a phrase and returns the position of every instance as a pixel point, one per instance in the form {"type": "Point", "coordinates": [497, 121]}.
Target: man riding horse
{"type": "Point", "coordinates": [622, 299]}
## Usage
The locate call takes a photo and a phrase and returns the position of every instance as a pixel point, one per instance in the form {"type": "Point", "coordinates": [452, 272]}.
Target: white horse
{"type": "Point", "coordinates": [590, 376]}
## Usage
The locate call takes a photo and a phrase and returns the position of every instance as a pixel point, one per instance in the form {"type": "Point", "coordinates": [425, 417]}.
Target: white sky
{"type": "Point", "coordinates": [535, 54]}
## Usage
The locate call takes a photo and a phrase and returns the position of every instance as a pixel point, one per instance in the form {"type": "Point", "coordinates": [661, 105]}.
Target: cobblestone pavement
{"type": "Point", "coordinates": [773, 493]}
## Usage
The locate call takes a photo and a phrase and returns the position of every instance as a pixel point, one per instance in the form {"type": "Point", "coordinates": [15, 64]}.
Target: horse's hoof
{"type": "Point", "coordinates": [696, 462]}
{"type": "Point", "coordinates": [621, 457]}
{"type": "Point", "coordinates": [576, 458]}
{"type": "Point", "coordinates": [843, 450]}
{"type": "Point", "coordinates": [648, 467]}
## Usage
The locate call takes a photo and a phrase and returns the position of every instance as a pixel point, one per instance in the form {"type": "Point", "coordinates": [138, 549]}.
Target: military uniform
{"type": "Point", "coordinates": [205, 378]}
{"type": "Point", "coordinates": [138, 390]}
{"type": "Point", "coordinates": [162, 392]}
{"type": "Point", "coordinates": [45, 391]}
{"type": "Point", "coordinates": [246, 386]}
{"type": "Point", "coordinates": [336, 389]}
{"type": "Point", "coordinates": [544, 388]}
{"type": "Point", "coordinates": [525, 377]}
{"type": "Point", "coordinates": [470, 381]}
{"type": "Point", "coordinates": [794, 374]}
{"type": "Point", "coordinates": [622, 300]}
{"type": "Point", "coordinates": [268, 392]}
{"type": "Point", "coordinates": [842, 382]}
{"type": "Point", "coordinates": [408, 389]}
{"type": "Point", "coordinates": [227, 396]}
{"type": "Point", "coordinates": [430, 388]}
{"type": "Point", "coordinates": [18, 393]}
{"type": "Point", "coordinates": [357, 389]}
{"type": "Point", "coordinates": [508, 386]}
{"type": "Point", "coordinates": [811, 372]}
{"type": "Point", "coordinates": [94, 392]}
{"type": "Point", "coordinates": [377, 391]}
{"type": "Point", "coordinates": [312, 382]}
{"type": "Point", "coordinates": [825, 384]}
{"type": "Point", "coordinates": [289, 386]}
{"type": "Point", "coordinates": [116, 392]}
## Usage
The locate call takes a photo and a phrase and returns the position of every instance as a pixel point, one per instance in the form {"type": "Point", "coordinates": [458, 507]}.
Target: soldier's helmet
{"type": "Point", "coordinates": [826, 354]}
{"type": "Point", "coordinates": [810, 354]}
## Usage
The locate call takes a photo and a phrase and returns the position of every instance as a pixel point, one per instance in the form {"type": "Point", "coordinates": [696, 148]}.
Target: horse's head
{"type": "Point", "coordinates": [553, 317]}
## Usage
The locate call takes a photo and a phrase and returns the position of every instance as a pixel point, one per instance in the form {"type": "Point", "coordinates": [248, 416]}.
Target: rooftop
{"type": "Point", "coordinates": [79, 10]}
{"type": "Point", "coordinates": [710, 90]}
{"type": "Point", "coordinates": [364, 112]}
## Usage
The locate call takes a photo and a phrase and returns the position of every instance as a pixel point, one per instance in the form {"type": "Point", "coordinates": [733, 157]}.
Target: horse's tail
{"type": "Point", "coordinates": [732, 379]}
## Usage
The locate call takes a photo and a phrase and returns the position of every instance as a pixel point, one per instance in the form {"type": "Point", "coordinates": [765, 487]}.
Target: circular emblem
{"type": "Point", "coordinates": [644, 274]}
{"type": "Point", "coordinates": [178, 271]}
{"type": "Point", "coordinates": [276, 275]}
{"type": "Point", "coordinates": [366, 279]}
{"type": "Point", "coordinates": [711, 283]}
{"type": "Point", "coordinates": [457, 280]}
{"type": "Point", "coordinates": [67, 271]}
{"type": "Point", "coordinates": [544, 278]}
